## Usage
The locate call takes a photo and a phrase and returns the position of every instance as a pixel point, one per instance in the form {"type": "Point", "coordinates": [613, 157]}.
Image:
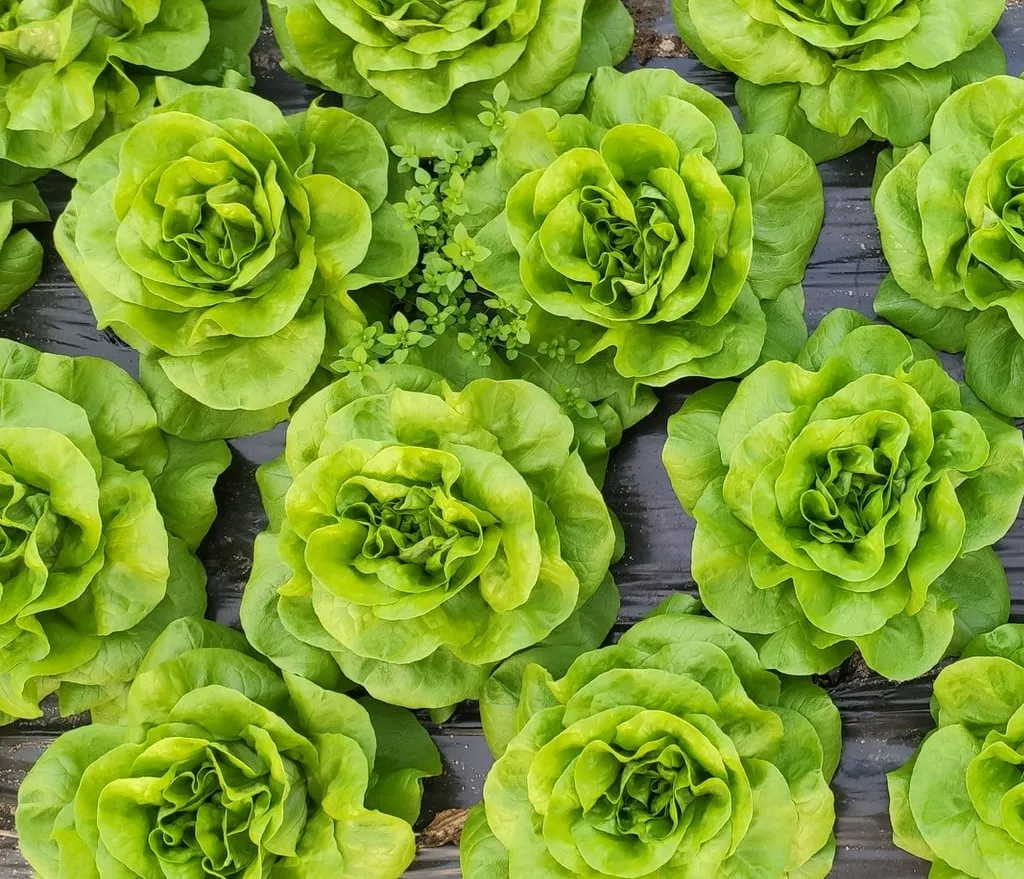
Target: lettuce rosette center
{"type": "Point", "coordinates": [856, 494]}
{"type": "Point", "coordinates": [843, 496]}
{"type": "Point", "coordinates": [644, 785]}
{"type": "Point", "coordinates": [215, 806]}
{"type": "Point", "coordinates": [843, 500]}
{"type": "Point", "coordinates": [853, 492]}
{"type": "Point", "coordinates": [45, 527]}
{"type": "Point", "coordinates": [411, 527]}
{"type": "Point", "coordinates": [221, 226]}
{"type": "Point", "coordinates": [632, 232]}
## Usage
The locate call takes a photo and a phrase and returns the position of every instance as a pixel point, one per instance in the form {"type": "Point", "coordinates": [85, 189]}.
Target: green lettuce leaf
{"type": "Point", "coordinates": [21, 254]}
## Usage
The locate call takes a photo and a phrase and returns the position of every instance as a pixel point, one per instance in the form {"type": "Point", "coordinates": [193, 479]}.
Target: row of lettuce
{"type": "Point", "coordinates": [448, 258]}
{"type": "Point", "coordinates": [429, 545]}
{"type": "Point", "coordinates": [460, 290]}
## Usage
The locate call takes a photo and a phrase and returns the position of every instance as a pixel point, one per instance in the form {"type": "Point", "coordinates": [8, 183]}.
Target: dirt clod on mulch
{"type": "Point", "coordinates": [855, 669]}
{"type": "Point", "coordinates": [649, 43]}
{"type": "Point", "coordinates": [445, 829]}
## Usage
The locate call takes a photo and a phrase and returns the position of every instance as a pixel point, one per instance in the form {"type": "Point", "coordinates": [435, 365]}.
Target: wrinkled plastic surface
{"type": "Point", "coordinates": [882, 722]}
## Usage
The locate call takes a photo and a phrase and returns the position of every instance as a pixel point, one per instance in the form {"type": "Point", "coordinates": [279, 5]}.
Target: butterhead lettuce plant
{"type": "Point", "coordinates": [420, 535]}
{"type": "Point", "coordinates": [849, 500]}
{"type": "Point", "coordinates": [445, 186]}
{"type": "Point", "coordinates": [596, 299]}
{"type": "Point", "coordinates": [951, 216]}
{"type": "Point", "coordinates": [100, 514]}
{"type": "Point", "coordinates": [21, 254]}
{"type": "Point", "coordinates": [424, 56]}
{"type": "Point", "coordinates": [221, 768]}
{"type": "Point", "coordinates": [649, 235]}
{"type": "Point", "coordinates": [673, 753]}
{"type": "Point", "coordinates": [222, 241]}
{"type": "Point", "coordinates": [74, 72]}
{"type": "Point", "coordinates": [833, 74]}
{"type": "Point", "coordinates": [957, 801]}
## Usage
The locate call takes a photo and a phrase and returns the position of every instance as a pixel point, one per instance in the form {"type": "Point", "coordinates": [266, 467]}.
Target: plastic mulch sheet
{"type": "Point", "coordinates": [882, 722]}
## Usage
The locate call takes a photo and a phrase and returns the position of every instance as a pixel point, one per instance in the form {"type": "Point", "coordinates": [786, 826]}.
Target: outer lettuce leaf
{"type": "Point", "coordinates": [847, 500]}
{"type": "Point", "coordinates": [218, 760]}
{"type": "Point", "coordinates": [21, 255]}
{"type": "Point", "coordinates": [102, 513]}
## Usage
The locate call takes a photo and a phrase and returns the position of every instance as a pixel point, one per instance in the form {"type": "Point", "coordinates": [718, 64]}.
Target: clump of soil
{"type": "Point", "coordinates": [445, 829]}
{"type": "Point", "coordinates": [649, 42]}
{"type": "Point", "coordinates": [852, 671]}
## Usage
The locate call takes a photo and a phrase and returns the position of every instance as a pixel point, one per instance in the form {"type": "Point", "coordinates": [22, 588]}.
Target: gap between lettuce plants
{"type": "Point", "coordinates": [649, 42]}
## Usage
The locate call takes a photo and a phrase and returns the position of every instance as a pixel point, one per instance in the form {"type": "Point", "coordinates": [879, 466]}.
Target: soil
{"type": "Point", "coordinates": [649, 43]}
{"type": "Point", "coordinates": [445, 829]}
{"type": "Point", "coordinates": [853, 671]}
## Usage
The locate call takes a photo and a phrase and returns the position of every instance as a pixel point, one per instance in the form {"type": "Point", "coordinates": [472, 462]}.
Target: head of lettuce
{"type": "Point", "coordinates": [74, 72]}
{"type": "Point", "coordinates": [670, 754]}
{"type": "Point", "coordinates": [419, 535]}
{"type": "Point", "coordinates": [100, 517]}
{"type": "Point", "coordinates": [424, 56]}
{"type": "Point", "coordinates": [834, 74]}
{"type": "Point", "coordinates": [222, 240]}
{"type": "Point", "coordinates": [221, 768]}
{"type": "Point", "coordinates": [849, 500]}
